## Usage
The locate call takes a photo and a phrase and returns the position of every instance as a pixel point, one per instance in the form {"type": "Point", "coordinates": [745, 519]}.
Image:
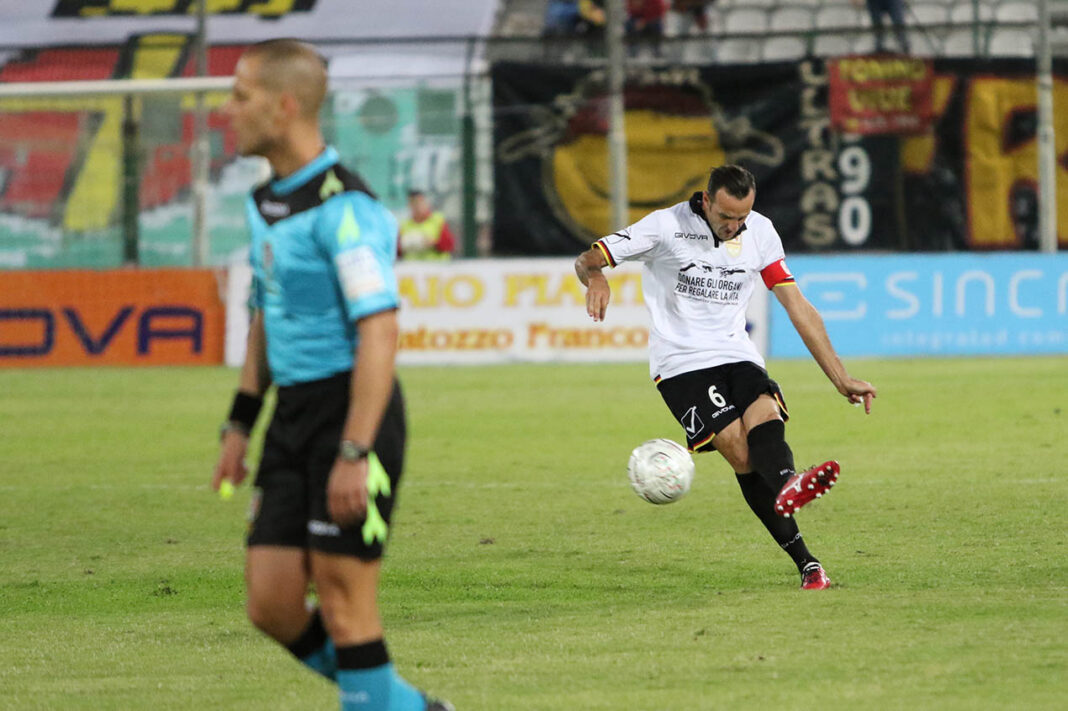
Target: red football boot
{"type": "Point", "coordinates": [805, 486]}
{"type": "Point", "coordinates": [814, 578]}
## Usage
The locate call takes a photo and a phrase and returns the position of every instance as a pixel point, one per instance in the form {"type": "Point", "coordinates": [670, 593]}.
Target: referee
{"type": "Point", "coordinates": [324, 330]}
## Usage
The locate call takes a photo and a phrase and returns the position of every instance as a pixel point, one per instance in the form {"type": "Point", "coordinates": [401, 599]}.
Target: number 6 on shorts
{"type": "Point", "coordinates": [716, 398]}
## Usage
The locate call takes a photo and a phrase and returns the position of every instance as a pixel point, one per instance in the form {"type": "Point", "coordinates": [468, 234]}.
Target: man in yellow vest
{"type": "Point", "coordinates": [425, 234]}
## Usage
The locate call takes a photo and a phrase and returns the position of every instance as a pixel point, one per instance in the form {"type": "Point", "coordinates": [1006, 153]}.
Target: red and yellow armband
{"type": "Point", "coordinates": [776, 274]}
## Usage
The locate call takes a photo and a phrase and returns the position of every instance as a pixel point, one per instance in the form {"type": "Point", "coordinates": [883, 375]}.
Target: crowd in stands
{"type": "Point", "coordinates": [822, 27]}
{"type": "Point", "coordinates": [645, 18]}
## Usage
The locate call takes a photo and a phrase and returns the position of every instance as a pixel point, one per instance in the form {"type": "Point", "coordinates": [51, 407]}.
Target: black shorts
{"type": "Point", "coordinates": [705, 401]}
{"type": "Point", "coordinates": [288, 505]}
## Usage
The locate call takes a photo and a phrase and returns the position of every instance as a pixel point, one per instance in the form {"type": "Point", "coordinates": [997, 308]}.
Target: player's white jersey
{"type": "Point", "coordinates": [696, 287]}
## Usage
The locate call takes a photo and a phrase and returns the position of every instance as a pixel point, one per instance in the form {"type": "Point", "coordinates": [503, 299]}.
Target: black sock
{"type": "Point", "coordinates": [784, 530]}
{"type": "Point", "coordinates": [363, 656]}
{"type": "Point", "coordinates": [311, 639]}
{"type": "Point", "coordinates": [769, 454]}
{"type": "Point", "coordinates": [314, 649]}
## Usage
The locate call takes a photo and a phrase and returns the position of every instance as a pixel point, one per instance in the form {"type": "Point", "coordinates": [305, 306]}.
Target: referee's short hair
{"type": "Point", "coordinates": [736, 180]}
{"type": "Point", "coordinates": [293, 66]}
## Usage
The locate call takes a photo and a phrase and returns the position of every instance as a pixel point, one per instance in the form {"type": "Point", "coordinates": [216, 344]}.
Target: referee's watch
{"type": "Point", "coordinates": [350, 451]}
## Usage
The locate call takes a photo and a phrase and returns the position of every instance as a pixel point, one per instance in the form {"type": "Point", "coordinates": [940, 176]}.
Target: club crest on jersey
{"type": "Point", "coordinates": [734, 246]}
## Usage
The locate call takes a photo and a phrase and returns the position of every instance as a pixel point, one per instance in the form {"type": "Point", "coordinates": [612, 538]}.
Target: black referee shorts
{"type": "Point", "coordinates": [705, 401]}
{"type": "Point", "coordinates": [289, 501]}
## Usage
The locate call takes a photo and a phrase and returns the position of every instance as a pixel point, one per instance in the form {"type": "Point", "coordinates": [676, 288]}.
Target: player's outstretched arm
{"type": "Point", "coordinates": [810, 327]}
{"type": "Point", "coordinates": [588, 268]}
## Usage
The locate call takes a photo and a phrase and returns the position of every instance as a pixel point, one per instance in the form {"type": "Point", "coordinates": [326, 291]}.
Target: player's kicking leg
{"type": "Point", "coordinates": [731, 443]}
{"type": "Point", "coordinates": [772, 457]}
{"type": "Point", "coordinates": [738, 410]}
{"type": "Point", "coordinates": [806, 486]}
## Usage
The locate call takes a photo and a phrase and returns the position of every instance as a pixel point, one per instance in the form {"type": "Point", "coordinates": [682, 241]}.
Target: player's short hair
{"type": "Point", "coordinates": [736, 180]}
{"type": "Point", "coordinates": [292, 66]}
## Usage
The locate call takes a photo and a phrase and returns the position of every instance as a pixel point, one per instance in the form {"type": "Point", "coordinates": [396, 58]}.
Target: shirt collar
{"type": "Point", "coordinates": [286, 185]}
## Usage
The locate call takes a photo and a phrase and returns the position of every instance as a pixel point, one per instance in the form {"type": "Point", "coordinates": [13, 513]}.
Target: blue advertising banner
{"type": "Point", "coordinates": [916, 305]}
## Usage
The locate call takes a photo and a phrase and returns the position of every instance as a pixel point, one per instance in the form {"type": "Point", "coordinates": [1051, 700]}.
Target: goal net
{"type": "Point", "coordinates": [98, 173]}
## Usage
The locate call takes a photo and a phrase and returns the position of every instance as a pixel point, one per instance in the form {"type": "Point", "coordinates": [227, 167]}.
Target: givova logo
{"type": "Point", "coordinates": [98, 8]}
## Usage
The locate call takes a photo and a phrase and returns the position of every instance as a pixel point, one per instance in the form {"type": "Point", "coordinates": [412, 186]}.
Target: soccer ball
{"type": "Point", "coordinates": [660, 471]}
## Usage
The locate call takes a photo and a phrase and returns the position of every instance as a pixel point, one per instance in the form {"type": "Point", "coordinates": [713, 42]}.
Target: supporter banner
{"type": "Point", "coordinates": [1009, 304]}
{"type": "Point", "coordinates": [880, 94]}
{"type": "Point", "coordinates": [551, 161]}
{"type": "Point", "coordinates": [123, 317]}
{"type": "Point", "coordinates": [29, 23]}
{"type": "Point", "coordinates": [500, 311]}
{"type": "Point", "coordinates": [972, 181]}
{"type": "Point", "coordinates": [102, 8]}
{"type": "Point", "coordinates": [968, 182]}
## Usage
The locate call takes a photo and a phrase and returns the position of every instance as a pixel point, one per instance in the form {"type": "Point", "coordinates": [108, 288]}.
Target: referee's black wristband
{"type": "Point", "coordinates": [245, 410]}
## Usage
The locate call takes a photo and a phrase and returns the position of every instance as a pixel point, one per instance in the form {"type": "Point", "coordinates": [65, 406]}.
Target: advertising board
{"type": "Point", "coordinates": [121, 317]}
{"type": "Point", "coordinates": [953, 304]}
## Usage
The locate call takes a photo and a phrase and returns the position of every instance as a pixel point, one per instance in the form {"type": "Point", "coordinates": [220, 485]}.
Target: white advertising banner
{"type": "Point", "coordinates": [51, 22]}
{"type": "Point", "coordinates": [503, 310]}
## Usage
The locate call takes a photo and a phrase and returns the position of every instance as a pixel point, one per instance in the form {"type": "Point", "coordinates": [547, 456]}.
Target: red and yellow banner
{"type": "Point", "coordinates": [121, 317]}
{"type": "Point", "coordinates": [880, 94]}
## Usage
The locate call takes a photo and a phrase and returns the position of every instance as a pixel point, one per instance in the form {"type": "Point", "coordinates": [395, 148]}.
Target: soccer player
{"type": "Point", "coordinates": [701, 261]}
{"type": "Point", "coordinates": [324, 329]}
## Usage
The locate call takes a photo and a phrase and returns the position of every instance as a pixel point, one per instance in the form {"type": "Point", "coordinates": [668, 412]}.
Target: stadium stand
{"type": "Point", "coordinates": [778, 49]}
{"type": "Point", "coordinates": [965, 11]}
{"type": "Point", "coordinates": [1008, 42]}
{"type": "Point", "coordinates": [745, 19]}
{"type": "Point", "coordinates": [930, 13]}
{"type": "Point", "coordinates": [840, 15]}
{"type": "Point", "coordinates": [1016, 11]}
{"type": "Point", "coordinates": [738, 51]}
{"type": "Point", "coordinates": [959, 43]}
{"type": "Point", "coordinates": [831, 46]}
{"type": "Point", "coordinates": [935, 27]}
{"type": "Point", "coordinates": [790, 17]}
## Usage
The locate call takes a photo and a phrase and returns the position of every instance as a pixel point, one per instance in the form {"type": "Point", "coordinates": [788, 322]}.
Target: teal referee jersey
{"type": "Point", "coordinates": [322, 258]}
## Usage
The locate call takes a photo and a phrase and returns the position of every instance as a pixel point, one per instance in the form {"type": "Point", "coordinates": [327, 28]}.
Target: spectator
{"type": "Point", "coordinates": [645, 21]}
{"type": "Point", "coordinates": [425, 234]}
{"type": "Point", "coordinates": [592, 17]}
{"type": "Point", "coordinates": [562, 18]}
{"type": "Point", "coordinates": [896, 10]}
{"type": "Point", "coordinates": [692, 13]}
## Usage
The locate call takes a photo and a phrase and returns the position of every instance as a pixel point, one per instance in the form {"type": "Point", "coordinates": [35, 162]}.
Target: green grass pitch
{"type": "Point", "coordinates": [523, 573]}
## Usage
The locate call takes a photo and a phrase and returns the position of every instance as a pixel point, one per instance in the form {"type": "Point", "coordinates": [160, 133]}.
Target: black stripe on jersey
{"type": "Point", "coordinates": [334, 180]}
